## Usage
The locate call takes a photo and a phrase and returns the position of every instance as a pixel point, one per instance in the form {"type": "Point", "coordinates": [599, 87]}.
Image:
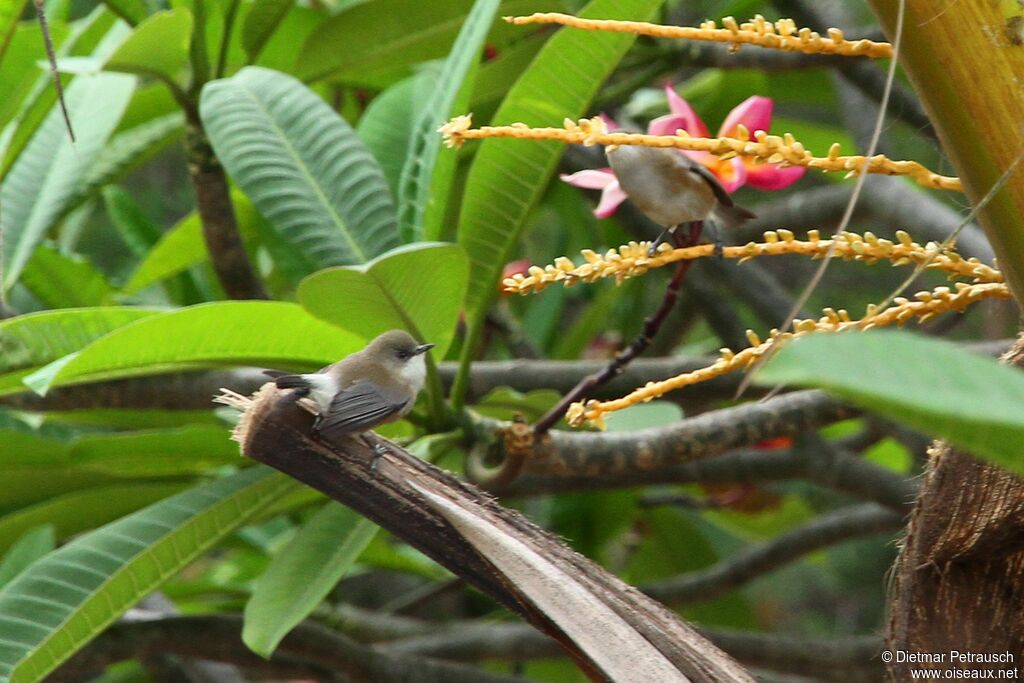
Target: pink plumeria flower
{"type": "Point", "coordinates": [755, 113]}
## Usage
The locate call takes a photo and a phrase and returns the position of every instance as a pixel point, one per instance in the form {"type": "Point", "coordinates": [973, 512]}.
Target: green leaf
{"type": "Point", "coordinates": [930, 385]}
{"type": "Point", "coordinates": [78, 511]}
{"type": "Point", "coordinates": [260, 24]}
{"type": "Point", "coordinates": [136, 228]}
{"type": "Point", "coordinates": [71, 595]}
{"type": "Point", "coordinates": [386, 127]}
{"type": "Point", "coordinates": [62, 281]}
{"type": "Point", "coordinates": [30, 547]}
{"type": "Point", "coordinates": [303, 167]}
{"type": "Point", "coordinates": [31, 341]}
{"type": "Point", "coordinates": [158, 47]}
{"type": "Point", "coordinates": [508, 176]}
{"type": "Point", "coordinates": [49, 169]}
{"type": "Point", "coordinates": [419, 288]}
{"type": "Point", "coordinates": [155, 452]}
{"type": "Point", "coordinates": [10, 14]}
{"type": "Point", "coordinates": [132, 11]}
{"type": "Point", "coordinates": [425, 179]}
{"type": "Point", "coordinates": [125, 151]}
{"type": "Point", "coordinates": [183, 246]}
{"type": "Point", "coordinates": [384, 38]}
{"type": "Point", "coordinates": [235, 332]}
{"type": "Point", "coordinates": [303, 573]}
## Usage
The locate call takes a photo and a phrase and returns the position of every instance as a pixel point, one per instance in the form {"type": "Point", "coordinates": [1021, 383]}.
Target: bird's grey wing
{"type": "Point", "coordinates": [357, 408]}
{"type": "Point", "coordinates": [707, 176]}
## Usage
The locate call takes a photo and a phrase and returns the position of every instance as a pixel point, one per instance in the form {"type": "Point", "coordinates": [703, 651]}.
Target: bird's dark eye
{"type": "Point", "coordinates": [403, 355]}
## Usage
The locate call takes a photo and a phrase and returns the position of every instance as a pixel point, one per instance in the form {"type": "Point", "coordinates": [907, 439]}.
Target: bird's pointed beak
{"type": "Point", "coordinates": [422, 348]}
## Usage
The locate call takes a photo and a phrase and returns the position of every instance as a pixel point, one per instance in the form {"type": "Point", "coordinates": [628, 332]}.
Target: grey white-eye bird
{"type": "Point", "coordinates": [672, 189]}
{"type": "Point", "coordinates": [368, 388]}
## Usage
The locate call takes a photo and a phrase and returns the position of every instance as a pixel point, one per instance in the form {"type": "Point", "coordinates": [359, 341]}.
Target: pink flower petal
{"type": "Point", "coordinates": [611, 197]}
{"type": "Point", "coordinates": [591, 179]}
{"type": "Point", "coordinates": [680, 108]}
{"type": "Point", "coordinates": [770, 177]}
{"type": "Point", "coordinates": [754, 112]}
{"type": "Point", "coordinates": [732, 174]}
{"type": "Point", "coordinates": [610, 123]}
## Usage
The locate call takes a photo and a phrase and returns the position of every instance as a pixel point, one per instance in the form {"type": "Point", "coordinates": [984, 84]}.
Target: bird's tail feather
{"type": "Point", "coordinates": [733, 216]}
{"type": "Point", "coordinates": [285, 380]}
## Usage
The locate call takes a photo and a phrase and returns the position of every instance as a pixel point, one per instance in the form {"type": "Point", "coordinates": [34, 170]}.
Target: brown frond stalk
{"type": "Point", "coordinates": [925, 306]}
{"type": "Point", "coordinates": [631, 260]}
{"type": "Point", "coordinates": [784, 150]}
{"type": "Point", "coordinates": [780, 35]}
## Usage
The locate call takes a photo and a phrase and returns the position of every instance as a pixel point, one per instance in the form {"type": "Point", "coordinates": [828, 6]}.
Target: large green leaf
{"type": "Point", "coordinates": [386, 127]}
{"type": "Point", "coordinates": [31, 341]}
{"type": "Point", "coordinates": [155, 452]}
{"type": "Point", "coordinates": [419, 288]}
{"type": "Point", "coordinates": [183, 246]}
{"type": "Point", "coordinates": [235, 332]}
{"type": "Point", "coordinates": [425, 178]}
{"type": "Point", "coordinates": [49, 169]}
{"type": "Point", "coordinates": [260, 23]}
{"type": "Point", "coordinates": [303, 167]}
{"type": "Point", "coordinates": [10, 14]}
{"type": "Point", "coordinates": [32, 545]}
{"type": "Point", "coordinates": [303, 573]}
{"type": "Point", "coordinates": [71, 595]}
{"type": "Point", "coordinates": [384, 38]}
{"type": "Point", "coordinates": [132, 11]}
{"type": "Point", "coordinates": [61, 281]}
{"type": "Point", "coordinates": [125, 151]}
{"type": "Point", "coordinates": [78, 511]}
{"type": "Point", "coordinates": [508, 176]}
{"type": "Point", "coordinates": [158, 47]}
{"type": "Point", "coordinates": [928, 384]}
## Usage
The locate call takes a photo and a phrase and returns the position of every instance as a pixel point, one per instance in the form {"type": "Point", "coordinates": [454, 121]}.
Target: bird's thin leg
{"type": "Point", "coordinates": [378, 449]}
{"type": "Point", "coordinates": [663, 237]}
{"type": "Point", "coordinates": [716, 238]}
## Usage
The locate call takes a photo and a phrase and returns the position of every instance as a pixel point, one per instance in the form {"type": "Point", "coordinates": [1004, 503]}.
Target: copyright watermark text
{"type": "Point", "coordinates": [956, 664]}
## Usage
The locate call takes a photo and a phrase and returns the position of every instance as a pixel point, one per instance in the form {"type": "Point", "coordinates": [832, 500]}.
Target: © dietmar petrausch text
{"type": "Point", "coordinates": [956, 665]}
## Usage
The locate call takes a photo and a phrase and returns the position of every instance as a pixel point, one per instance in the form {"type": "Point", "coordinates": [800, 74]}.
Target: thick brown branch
{"type": "Point", "coordinates": [610, 455]}
{"type": "Point", "coordinates": [277, 432]}
{"type": "Point", "coordinates": [220, 229]}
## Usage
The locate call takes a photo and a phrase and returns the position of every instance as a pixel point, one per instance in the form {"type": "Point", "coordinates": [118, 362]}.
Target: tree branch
{"type": "Point", "coordinates": [217, 214]}
{"type": "Point", "coordinates": [402, 493]}
{"type": "Point", "coordinates": [650, 329]}
{"type": "Point", "coordinates": [308, 651]}
{"type": "Point", "coordinates": [826, 530]}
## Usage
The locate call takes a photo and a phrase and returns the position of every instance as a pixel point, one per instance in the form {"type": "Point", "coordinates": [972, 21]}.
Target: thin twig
{"type": "Point", "coordinates": [52, 57]}
{"type": "Point", "coordinates": [651, 326]}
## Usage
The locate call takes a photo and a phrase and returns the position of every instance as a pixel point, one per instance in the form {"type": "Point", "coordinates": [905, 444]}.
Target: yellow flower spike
{"type": "Point", "coordinates": [726, 354]}
{"type": "Point", "coordinates": [786, 235]}
{"type": "Point", "coordinates": [742, 132]}
{"type": "Point", "coordinates": [753, 338]}
{"type": "Point", "coordinates": [813, 235]}
{"type": "Point", "coordinates": [770, 236]}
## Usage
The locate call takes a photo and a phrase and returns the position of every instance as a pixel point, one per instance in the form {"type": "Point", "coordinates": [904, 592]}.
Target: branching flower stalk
{"type": "Point", "coordinates": [783, 150]}
{"type": "Point", "coordinates": [924, 307]}
{"type": "Point", "coordinates": [632, 259]}
{"type": "Point", "coordinates": [780, 35]}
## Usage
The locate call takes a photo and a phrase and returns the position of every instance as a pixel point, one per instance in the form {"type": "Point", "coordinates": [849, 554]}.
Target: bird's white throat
{"type": "Point", "coordinates": [415, 372]}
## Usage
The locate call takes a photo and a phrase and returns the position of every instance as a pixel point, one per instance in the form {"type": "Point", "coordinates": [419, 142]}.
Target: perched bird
{"type": "Point", "coordinates": [672, 189]}
{"type": "Point", "coordinates": [368, 388]}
